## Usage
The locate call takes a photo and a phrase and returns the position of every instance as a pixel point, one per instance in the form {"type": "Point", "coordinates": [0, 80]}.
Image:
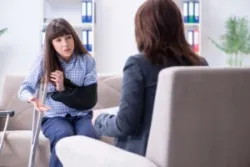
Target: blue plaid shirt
{"type": "Point", "coordinates": [81, 70]}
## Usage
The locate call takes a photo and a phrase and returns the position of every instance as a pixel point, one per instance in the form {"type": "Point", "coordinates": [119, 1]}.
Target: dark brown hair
{"type": "Point", "coordinates": [159, 32]}
{"type": "Point", "coordinates": [56, 28]}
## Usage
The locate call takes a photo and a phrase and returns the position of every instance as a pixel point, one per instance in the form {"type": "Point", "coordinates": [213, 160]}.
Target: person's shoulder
{"type": "Point", "coordinates": [203, 61]}
{"type": "Point", "coordinates": [137, 59]}
{"type": "Point", "coordinates": [86, 58]}
{"type": "Point", "coordinates": [133, 62]}
{"type": "Point", "coordinates": [38, 62]}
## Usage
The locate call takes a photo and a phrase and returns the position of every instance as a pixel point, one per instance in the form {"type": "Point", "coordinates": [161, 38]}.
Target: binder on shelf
{"type": "Point", "coordinates": [89, 11]}
{"type": "Point", "coordinates": [191, 12]}
{"type": "Point", "coordinates": [85, 39]}
{"type": "Point", "coordinates": [84, 12]}
{"type": "Point", "coordinates": [196, 40]}
{"type": "Point", "coordinates": [90, 40]}
{"type": "Point", "coordinates": [185, 11]}
{"type": "Point", "coordinates": [190, 38]}
{"type": "Point", "coordinates": [196, 11]}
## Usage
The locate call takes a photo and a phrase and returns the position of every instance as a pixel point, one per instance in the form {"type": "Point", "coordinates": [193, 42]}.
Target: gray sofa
{"type": "Point", "coordinates": [16, 148]}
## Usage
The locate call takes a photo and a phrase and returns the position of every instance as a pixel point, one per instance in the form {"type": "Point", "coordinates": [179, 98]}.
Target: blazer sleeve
{"type": "Point", "coordinates": [128, 118]}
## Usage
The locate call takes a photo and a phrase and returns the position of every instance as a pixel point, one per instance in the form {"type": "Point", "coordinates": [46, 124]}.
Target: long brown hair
{"type": "Point", "coordinates": [56, 28]}
{"type": "Point", "coordinates": [159, 32]}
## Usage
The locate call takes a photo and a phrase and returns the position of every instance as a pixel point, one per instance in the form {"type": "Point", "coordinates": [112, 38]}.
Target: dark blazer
{"type": "Point", "coordinates": [131, 126]}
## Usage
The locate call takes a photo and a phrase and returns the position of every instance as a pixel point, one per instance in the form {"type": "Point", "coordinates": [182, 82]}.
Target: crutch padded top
{"type": "Point", "coordinates": [11, 113]}
{"type": "Point", "coordinates": [77, 97]}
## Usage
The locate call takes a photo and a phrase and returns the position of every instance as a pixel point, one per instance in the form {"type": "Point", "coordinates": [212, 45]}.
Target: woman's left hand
{"type": "Point", "coordinates": [58, 78]}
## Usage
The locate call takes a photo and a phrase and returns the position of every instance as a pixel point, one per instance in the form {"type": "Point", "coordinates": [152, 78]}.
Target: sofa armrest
{"type": "Point", "coordinates": [84, 151]}
{"type": "Point", "coordinates": [11, 113]}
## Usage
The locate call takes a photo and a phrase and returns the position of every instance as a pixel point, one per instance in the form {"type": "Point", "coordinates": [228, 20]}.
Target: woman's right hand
{"type": "Point", "coordinates": [38, 105]}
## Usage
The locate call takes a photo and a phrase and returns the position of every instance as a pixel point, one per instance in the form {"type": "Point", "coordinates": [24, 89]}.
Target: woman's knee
{"type": "Point", "coordinates": [57, 128]}
{"type": "Point", "coordinates": [85, 128]}
{"type": "Point", "coordinates": [64, 133]}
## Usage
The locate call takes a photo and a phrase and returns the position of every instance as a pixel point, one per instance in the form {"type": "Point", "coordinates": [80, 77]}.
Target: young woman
{"type": "Point", "coordinates": [161, 41]}
{"type": "Point", "coordinates": [64, 57]}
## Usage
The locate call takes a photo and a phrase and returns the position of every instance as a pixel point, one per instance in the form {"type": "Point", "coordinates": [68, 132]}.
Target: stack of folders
{"type": "Point", "coordinates": [87, 11]}
{"type": "Point", "coordinates": [193, 39]}
{"type": "Point", "coordinates": [191, 11]}
{"type": "Point", "coordinates": [87, 39]}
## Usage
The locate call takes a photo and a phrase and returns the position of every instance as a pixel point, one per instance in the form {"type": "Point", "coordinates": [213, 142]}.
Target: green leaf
{"type": "Point", "coordinates": [3, 31]}
{"type": "Point", "coordinates": [236, 39]}
{"type": "Point", "coordinates": [218, 45]}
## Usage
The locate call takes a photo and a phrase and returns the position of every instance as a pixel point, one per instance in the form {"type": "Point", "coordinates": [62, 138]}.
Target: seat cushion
{"type": "Point", "coordinates": [16, 149]}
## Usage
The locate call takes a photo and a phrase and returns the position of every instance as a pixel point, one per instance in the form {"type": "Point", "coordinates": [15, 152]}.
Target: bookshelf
{"type": "Point", "coordinates": [191, 12]}
{"type": "Point", "coordinates": [73, 11]}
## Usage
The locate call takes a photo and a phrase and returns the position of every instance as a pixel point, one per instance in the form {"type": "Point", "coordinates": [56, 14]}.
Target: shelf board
{"type": "Point", "coordinates": [192, 24]}
{"type": "Point", "coordinates": [78, 26]}
{"type": "Point", "coordinates": [65, 2]}
{"type": "Point", "coordinates": [83, 26]}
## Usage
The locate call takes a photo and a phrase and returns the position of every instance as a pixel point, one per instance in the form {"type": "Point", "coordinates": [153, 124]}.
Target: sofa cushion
{"type": "Point", "coordinates": [109, 91]}
{"type": "Point", "coordinates": [16, 149]}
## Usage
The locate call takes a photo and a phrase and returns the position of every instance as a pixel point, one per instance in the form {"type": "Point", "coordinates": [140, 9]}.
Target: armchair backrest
{"type": "Point", "coordinates": [201, 118]}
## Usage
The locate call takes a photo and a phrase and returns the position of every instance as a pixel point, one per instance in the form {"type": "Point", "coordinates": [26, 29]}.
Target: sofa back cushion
{"type": "Point", "coordinates": [109, 88]}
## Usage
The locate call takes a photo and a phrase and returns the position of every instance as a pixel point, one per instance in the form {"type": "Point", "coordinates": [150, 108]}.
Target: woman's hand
{"type": "Point", "coordinates": [58, 78]}
{"type": "Point", "coordinates": [38, 105]}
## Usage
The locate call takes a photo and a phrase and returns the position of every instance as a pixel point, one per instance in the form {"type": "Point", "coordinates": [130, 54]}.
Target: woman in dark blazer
{"type": "Point", "coordinates": [161, 42]}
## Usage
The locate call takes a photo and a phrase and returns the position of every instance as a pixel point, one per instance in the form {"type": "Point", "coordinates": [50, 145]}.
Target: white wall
{"type": "Point", "coordinates": [114, 32]}
{"type": "Point", "coordinates": [115, 40]}
{"type": "Point", "coordinates": [215, 12]}
{"type": "Point", "coordinates": [20, 45]}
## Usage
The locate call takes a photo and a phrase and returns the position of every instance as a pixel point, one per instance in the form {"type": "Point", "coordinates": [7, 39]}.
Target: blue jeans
{"type": "Point", "coordinates": [59, 127]}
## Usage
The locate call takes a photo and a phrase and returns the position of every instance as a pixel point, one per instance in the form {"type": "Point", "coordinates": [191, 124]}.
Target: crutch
{"type": "Point", "coordinates": [7, 115]}
{"type": "Point", "coordinates": [36, 123]}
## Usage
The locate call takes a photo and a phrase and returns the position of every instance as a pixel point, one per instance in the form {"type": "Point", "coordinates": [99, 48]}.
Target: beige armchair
{"type": "Point", "coordinates": [201, 119]}
{"type": "Point", "coordinates": [16, 146]}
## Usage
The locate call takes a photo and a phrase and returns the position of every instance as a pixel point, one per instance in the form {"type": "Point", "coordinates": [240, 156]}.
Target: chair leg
{"type": "Point", "coordinates": [4, 131]}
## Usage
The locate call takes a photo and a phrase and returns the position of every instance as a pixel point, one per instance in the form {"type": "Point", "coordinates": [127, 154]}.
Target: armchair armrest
{"type": "Point", "coordinates": [84, 151]}
{"type": "Point", "coordinates": [5, 113]}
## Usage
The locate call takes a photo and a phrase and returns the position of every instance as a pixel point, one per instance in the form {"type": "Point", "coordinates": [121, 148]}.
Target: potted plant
{"type": "Point", "coordinates": [236, 40]}
{"type": "Point", "coordinates": [3, 31]}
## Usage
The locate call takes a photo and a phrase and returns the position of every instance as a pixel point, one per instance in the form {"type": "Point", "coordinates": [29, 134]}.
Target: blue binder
{"type": "Point", "coordinates": [185, 11]}
{"type": "Point", "coordinates": [85, 39]}
{"type": "Point", "coordinates": [196, 12]}
{"type": "Point", "coordinates": [89, 11]}
{"type": "Point", "coordinates": [90, 40]}
{"type": "Point", "coordinates": [84, 11]}
{"type": "Point", "coordinates": [191, 12]}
